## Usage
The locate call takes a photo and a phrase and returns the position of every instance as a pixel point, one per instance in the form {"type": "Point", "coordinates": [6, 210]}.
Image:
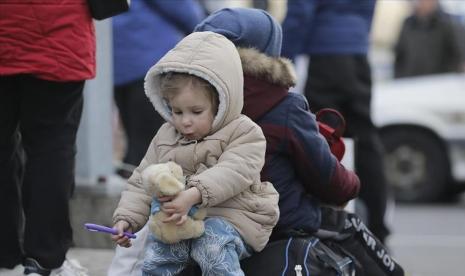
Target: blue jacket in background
{"type": "Point", "coordinates": [327, 27]}
{"type": "Point", "coordinates": [147, 31]}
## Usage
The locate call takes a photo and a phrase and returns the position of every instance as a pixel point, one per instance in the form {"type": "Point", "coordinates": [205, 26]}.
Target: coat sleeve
{"type": "Point", "coordinates": [238, 166]}
{"type": "Point", "coordinates": [134, 205]}
{"type": "Point", "coordinates": [185, 14]}
{"type": "Point", "coordinates": [298, 20]}
{"type": "Point", "coordinates": [319, 170]}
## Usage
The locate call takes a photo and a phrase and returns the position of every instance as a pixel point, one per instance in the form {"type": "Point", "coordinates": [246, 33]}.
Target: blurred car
{"type": "Point", "coordinates": [422, 126]}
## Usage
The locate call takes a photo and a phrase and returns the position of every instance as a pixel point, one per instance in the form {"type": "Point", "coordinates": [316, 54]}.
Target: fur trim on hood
{"type": "Point", "coordinates": [277, 70]}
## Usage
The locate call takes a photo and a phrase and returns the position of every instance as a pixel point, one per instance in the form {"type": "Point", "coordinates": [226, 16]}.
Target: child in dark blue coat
{"type": "Point", "coordinates": [298, 161]}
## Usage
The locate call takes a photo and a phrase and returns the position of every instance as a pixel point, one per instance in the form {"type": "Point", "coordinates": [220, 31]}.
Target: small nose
{"type": "Point", "coordinates": [186, 120]}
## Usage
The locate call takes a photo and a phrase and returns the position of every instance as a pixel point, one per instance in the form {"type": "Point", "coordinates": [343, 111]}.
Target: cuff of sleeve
{"type": "Point", "coordinates": [132, 223]}
{"type": "Point", "coordinates": [203, 192]}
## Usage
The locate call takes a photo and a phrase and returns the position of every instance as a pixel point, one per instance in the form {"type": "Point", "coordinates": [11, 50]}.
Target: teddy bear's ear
{"type": "Point", "coordinates": [149, 177]}
{"type": "Point", "coordinates": [176, 170]}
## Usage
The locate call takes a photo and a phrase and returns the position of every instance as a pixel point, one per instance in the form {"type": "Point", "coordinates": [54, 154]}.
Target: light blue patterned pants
{"type": "Point", "coordinates": [217, 252]}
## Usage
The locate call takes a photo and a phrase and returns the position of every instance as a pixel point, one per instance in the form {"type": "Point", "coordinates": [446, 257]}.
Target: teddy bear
{"type": "Point", "coordinates": [166, 179]}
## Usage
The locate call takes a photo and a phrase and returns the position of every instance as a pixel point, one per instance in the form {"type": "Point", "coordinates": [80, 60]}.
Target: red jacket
{"type": "Point", "coordinates": [51, 39]}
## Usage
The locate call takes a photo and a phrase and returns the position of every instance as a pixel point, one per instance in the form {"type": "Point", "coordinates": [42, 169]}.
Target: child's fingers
{"type": "Point", "coordinates": [115, 238]}
{"type": "Point", "coordinates": [122, 226]}
{"type": "Point", "coordinates": [182, 220]}
{"type": "Point", "coordinates": [120, 238]}
{"type": "Point", "coordinates": [169, 210]}
{"type": "Point", "coordinates": [122, 241]}
{"type": "Point", "coordinates": [173, 217]}
{"type": "Point", "coordinates": [125, 244]}
{"type": "Point", "coordinates": [168, 205]}
{"type": "Point", "coordinates": [165, 198]}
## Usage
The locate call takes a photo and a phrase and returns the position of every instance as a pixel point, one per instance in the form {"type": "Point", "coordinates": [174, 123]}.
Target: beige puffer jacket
{"type": "Point", "coordinates": [225, 166]}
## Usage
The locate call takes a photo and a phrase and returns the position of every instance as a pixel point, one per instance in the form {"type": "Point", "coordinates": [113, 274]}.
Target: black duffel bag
{"type": "Point", "coordinates": [346, 232]}
{"type": "Point", "coordinates": [294, 256]}
{"type": "Point", "coordinates": [298, 256]}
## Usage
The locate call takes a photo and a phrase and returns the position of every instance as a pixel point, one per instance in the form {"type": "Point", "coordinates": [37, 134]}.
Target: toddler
{"type": "Point", "coordinates": [197, 88]}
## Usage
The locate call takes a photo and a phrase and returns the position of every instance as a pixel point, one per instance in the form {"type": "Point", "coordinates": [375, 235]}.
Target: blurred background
{"type": "Point", "coordinates": [421, 116]}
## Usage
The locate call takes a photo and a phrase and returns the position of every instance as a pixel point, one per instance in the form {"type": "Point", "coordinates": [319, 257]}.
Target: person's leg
{"type": "Point", "coordinates": [10, 173]}
{"type": "Point", "coordinates": [322, 83]}
{"type": "Point", "coordinates": [219, 249]}
{"type": "Point", "coordinates": [120, 94]}
{"type": "Point", "coordinates": [163, 259]}
{"type": "Point", "coordinates": [368, 150]}
{"type": "Point", "coordinates": [50, 115]}
{"type": "Point", "coordinates": [344, 82]}
{"type": "Point", "coordinates": [140, 120]}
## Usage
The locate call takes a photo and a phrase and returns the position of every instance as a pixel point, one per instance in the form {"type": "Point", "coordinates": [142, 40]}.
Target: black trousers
{"type": "Point", "coordinates": [343, 82]}
{"type": "Point", "coordinates": [139, 118]}
{"type": "Point", "coordinates": [38, 125]}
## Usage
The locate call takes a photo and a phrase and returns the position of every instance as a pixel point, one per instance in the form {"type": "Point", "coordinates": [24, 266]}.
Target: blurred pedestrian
{"type": "Point", "coordinates": [430, 42]}
{"type": "Point", "coordinates": [335, 34]}
{"type": "Point", "coordinates": [47, 51]}
{"type": "Point", "coordinates": [140, 38]}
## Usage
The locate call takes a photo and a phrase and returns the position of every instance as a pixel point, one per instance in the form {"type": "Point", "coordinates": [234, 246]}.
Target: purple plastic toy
{"type": "Point", "coordinates": [101, 228]}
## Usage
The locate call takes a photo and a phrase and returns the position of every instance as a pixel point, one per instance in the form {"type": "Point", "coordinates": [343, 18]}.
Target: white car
{"type": "Point", "coordinates": [422, 126]}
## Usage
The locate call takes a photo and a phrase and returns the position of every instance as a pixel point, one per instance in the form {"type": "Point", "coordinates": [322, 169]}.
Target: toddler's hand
{"type": "Point", "coordinates": [176, 217]}
{"type": "Point", "coordinates": [165, 198]}
{"type": "Point", "coordinates": [181, 204]}
{"type": "Point", "coordinates": [121, 239]}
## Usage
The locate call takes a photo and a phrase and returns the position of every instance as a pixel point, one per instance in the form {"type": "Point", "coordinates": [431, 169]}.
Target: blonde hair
{"type": "Point", "coordinates": [172, 83]}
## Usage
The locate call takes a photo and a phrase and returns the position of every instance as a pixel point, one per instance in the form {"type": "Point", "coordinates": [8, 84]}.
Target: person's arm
{"type": "Point", "coordinates": [298, 20]}
{"type": "Point", "coordinates": [185, 14]}
{"type": "Point", "coordinates": [318, 169]}
{"type": "Point", "coordinates": [238, 166]}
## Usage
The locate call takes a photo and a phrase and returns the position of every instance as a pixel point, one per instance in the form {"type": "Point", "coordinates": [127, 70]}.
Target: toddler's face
{"type": "Point", "coordinates": [192, 112]}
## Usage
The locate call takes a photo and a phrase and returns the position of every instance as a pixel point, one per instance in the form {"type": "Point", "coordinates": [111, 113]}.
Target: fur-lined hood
{"type": "Point", "coordinates": [266, 81]}
{"type": "Point", "coordinates": [211, 57]}
{"type": "Point", "coordinates": [277, 70]}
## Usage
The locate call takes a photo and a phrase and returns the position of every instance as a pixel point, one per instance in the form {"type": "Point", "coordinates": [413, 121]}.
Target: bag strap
{"type": "Point", "coordinates": [307, 250]}
{"type": "Point", "coordinates": [289, 241]}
